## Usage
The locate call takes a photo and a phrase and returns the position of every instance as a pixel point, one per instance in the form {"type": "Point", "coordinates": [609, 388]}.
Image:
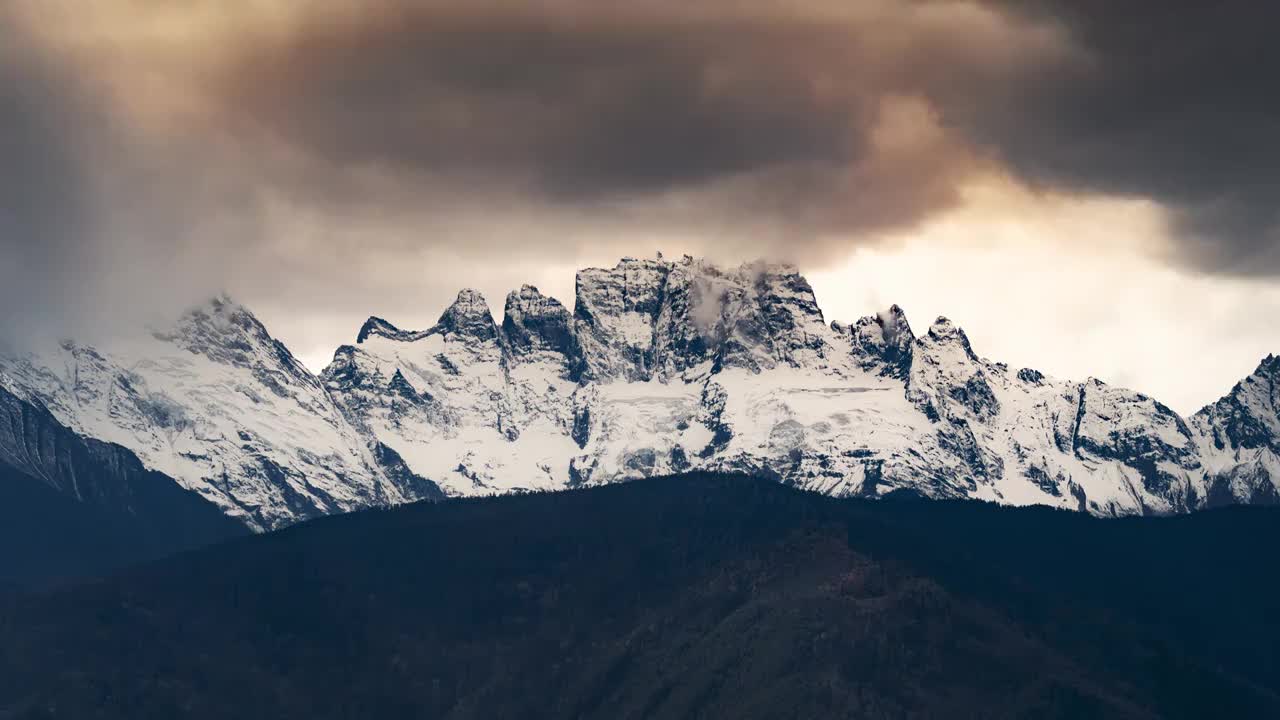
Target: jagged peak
{"type": "Point", "coordinates": [219, 315]}
{"type": "Point", "coordinates": [944, 333]}
{"type": "Point", "coordinates": [881, 340]}
{"type": "Point", "coordinates": [942, 326]}
{"type": "Point", "coordinates": [893, 323]}
{"type": "Point", "coordinates": [533, 321]}
{"type": "Point", "coordinates": [468, 316]}
{"type": "Point", "coordinates": [529, 298]}
{"type": "Point", "coordinates": [227, 332]}
{"type": "Point", "coordinates": [1270, 366]}
{"type": "Point", "coordinates": [885, 328]}
{"type": "Point", "coordinates": [944, 330]}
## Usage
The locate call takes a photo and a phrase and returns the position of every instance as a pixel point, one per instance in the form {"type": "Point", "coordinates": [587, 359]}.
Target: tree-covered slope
{"type": "Point", "coordinates": [694, 596]}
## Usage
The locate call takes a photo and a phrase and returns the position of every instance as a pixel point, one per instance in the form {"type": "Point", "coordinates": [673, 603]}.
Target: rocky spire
{"type": "Point", "coordinates": [882, 341]}
{"type": "Point", "coordinates": [534, 322]}
{"type": "Point", "coordinates": [468, 317]}
{"type": "Point", "coordinates": [1248, 416]}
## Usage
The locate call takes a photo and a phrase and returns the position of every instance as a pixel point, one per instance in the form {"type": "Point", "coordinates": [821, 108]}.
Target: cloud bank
{"type": "Point", "coordinates": [353, 157]}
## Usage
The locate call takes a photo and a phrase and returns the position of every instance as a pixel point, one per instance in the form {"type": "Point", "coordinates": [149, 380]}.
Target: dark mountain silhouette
{"type": "Point", "coordinates": [72, 507]}
{"type": "Point", "coordinates": [694, 596]}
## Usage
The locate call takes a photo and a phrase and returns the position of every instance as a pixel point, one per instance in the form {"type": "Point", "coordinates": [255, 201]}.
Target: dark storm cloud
{"type": "Point", "coordinates": [274, 146]}
{"type": "Point", "coordinates": [766, 113]}
{"type": "Point", "coordinates": [98, 227]}
{"type": "Point", "coordinates": [42, 198]}
{"type": "Point", "coordinates": [1176, 100]}
{"type": "Point", "coordinates": [782, 120]}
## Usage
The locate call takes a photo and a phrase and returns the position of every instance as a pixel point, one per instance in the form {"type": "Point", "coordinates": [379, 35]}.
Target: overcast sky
{"type": "Point", "coordinates": [1089, 187]}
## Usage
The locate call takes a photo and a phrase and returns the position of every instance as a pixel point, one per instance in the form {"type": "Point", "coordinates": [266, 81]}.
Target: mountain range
{"type": "Point", "coordinates": [661, 367]}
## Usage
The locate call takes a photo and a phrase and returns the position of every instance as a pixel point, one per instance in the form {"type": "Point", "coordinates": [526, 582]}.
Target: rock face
{"type": "Point", "coordinates": [667, 366]}
{"type": "Point", "coordinates": [100, 475]}
{"type": "Point", "coordinates": [661, 367]}
{"type": "Point", "coordinates": [1240, 439]}
{"type": "Point", "coordinates": [73, 507]}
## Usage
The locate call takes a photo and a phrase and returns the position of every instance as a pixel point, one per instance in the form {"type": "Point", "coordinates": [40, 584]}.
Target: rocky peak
{"type": "Point", "coordinates": [775, 319]}
{"type": "Point", "coordinates": [946, 378]}
{"type": "Point", "coordinates": [944, 330]}
{"type": "Point", "coordinates": [468, 317]}
{"type": "Point", "coordinates": [882, 341]}
{"type": "Point", "coordinates": [614, 314]}
{"type": "Point", "coordinates": [226, 332]}
{"type": "Point", "coordinates": [1249, 416]}
{"type": "Point", "coordinates": [643, 318]}
{"type": "Point", "coordinates": [1268, 369]}
{"type": "Point", "coordinates": [1135, 430]}
{"type": "Point", "coordinates": [534, 322]}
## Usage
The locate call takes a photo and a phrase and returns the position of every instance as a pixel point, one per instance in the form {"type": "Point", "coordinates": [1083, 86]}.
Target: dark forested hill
{"type": "Point", "coordinates": [73, 507]}
{"type": "Point", "coordinates": [695, 596]}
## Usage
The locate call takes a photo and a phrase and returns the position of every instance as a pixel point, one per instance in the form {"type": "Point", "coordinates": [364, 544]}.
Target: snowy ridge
{"type": "Point", "coordinates": [225, 409]}
{"type": "Point", "coordinates": [660, 367]}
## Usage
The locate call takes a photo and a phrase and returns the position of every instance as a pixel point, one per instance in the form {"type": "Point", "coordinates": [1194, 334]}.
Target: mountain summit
{"type": "Point", "coordinates": [660, 367]}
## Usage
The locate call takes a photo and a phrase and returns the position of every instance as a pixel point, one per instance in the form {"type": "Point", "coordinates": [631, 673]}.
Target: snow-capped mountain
{"type": "Point", "coordinates": [221, 406]}
{"type": "Point", "coordinates": [1240, 439]}
{"type": "Point", "coordinates": [660, 367]}
{"type": "Point", "coordinates": [667, 366]}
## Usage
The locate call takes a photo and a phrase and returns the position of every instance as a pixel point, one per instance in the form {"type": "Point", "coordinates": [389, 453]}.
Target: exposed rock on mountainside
{"type": "Point", "coordinates": [673, 365]}
{"type": "Point", "coordinates": [1240, 439]}
{"type": "Point", "coordinates": [660, 367]}
{"type": "Point", "coordinates": [72, 507]}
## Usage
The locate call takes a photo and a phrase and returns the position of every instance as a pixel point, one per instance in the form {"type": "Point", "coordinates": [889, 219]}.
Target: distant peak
{"type": "Point", "coordinates": [528, 300]}
{"type": "Point", "coordinates": [220, 309]}
{"type": "Point", "coordinates": [894, 322]}
{"type": "Point", "coordinates": [1267, 372]}
{"type": "Point", "coordinates": [944, 332]}
{"type": "Point", "coordinates": [944, 329]}
{"type": "Point", "coordinates": [468, 316]}
{"type": "Point", "coordinates": [533, 321]}
{"type": "Point", "coordinates": [469, 303]}
{"type": "Point", "coordinates": [525, 295]}
{"type": "Point", "coordinates": [885, 337]}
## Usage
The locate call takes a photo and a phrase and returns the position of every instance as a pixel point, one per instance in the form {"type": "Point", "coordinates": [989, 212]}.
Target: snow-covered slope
{"type": "Point", "coordinates": [218, 404]}
{"type": "Point", "coordinates": [660, 367]}
{"type": "Point", "coordinates": [666, 366]}
{"type": "Point", "coordinates": [1240, 439]}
